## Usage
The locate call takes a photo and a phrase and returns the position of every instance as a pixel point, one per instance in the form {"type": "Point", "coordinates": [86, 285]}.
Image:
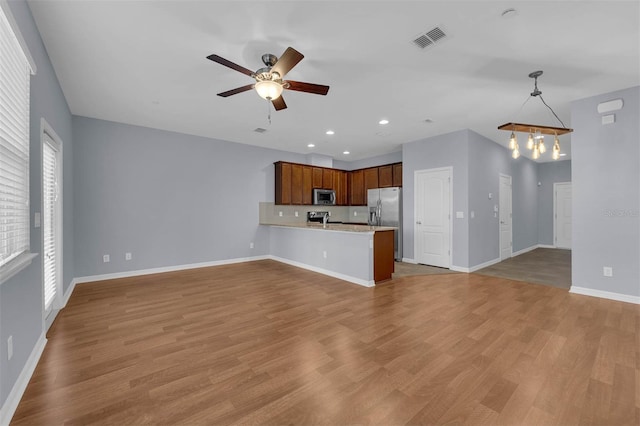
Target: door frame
{"type": "Point", "coordinates": [46, 129]}
{"type": "Point", "coordinates": [555, 212]}
{"type": "Point", "coordinates": [500, 176]}
{"type": "Point", "coordinates": [415, 208]}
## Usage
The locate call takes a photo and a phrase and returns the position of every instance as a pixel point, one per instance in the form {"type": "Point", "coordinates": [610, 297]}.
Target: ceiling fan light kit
{"type": "Point", "coordinates": [269, 83]}
{"type": "Point", "coordinates": [535, 141]}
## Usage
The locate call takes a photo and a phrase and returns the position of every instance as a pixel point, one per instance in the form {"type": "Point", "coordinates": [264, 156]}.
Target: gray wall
{"type": "Point", "coordinates": [487, 160]}
{"type": "Point", "coordinates": [548, 174]}
{"type": "Point", "coordinates": [524, 189]}
{"type": "Point", "coordinates": [606, 194]}
{"type": "Point", "coordinates": [394, 157]}
{"type": "Point", "coordinates": [168, 198]}
{"type": "Point", "coordinates": [21, 297]}
{"type": "Point", "coordinates": [451, 149]}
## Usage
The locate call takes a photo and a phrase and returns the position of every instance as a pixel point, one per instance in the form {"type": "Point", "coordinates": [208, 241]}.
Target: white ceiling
{"type": "Point", "coordinates": [143, 63]}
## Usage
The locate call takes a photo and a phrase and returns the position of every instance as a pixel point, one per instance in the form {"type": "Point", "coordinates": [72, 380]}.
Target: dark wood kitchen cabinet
{"type": "Point", "coordinates": [283, 183]}
{"type": "Point", "coordinates": [385, 176]}
{"type": "Point", "coordinates": [397, 174]}
{"type": "Point", "coordinates": [317, 177]}
{"type": "Point", "coordinates": [307, 185]}
{"type": "Point", "coordinates": [294, 183]}
{"type": "Point", "coordinates": [356, 188]}
{"type": "Point", "coordinates": [327, 179]}
{"type": "Point", "coordinates": [340, 185]}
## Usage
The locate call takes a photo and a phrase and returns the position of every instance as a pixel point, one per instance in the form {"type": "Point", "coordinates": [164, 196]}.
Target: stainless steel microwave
{"type": "Point", "coordinates": [324, 197]}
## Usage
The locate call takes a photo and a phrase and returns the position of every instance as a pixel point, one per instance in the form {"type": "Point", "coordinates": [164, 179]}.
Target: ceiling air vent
{"type": "Point", "coordinates": [429, 38]}
{"type": "Point", "coordinates": [259, 130]}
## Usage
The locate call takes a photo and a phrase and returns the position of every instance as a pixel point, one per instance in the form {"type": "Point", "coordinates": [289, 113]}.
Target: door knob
{"type": "Point", "coordinates": [502, 222]}
{"type": "Point", "coordinates": [418, 223]}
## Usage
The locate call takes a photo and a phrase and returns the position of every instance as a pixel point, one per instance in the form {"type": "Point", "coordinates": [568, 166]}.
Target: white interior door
{"type": "Point", "coordinates": [51, 222]}
{"type": "Point", "coordinates": [506, 240]}
{"type": "Point", "coordinates": [562, 217]}
{"type": "Point", "coordinates": [432, 230]}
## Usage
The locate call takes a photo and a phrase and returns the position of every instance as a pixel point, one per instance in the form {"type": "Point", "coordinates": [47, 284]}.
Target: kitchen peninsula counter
{"type": "Point", "coordinates": [358, 253]}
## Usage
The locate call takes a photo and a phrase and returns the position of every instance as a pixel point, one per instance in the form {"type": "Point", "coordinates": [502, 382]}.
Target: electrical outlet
{"type": "Point", "coordinates": [607, 271]}
{"type": "Point", "coordinates": [127, 256]}
{"type": "Point", "coordinates": [250, 245]}
{"type": "Point", "coordinates": [10, 348]}
{"type": "Point", "coordinates": [296, 214]}
{"type": "Point", "coordinates": [324, 254]}
{"type": "Point", "coordinates": [36, 220]}
{"type": "Point", "coordinates": [355, 213]}
{"type": "Point", "coordinates": [280, 214]}
{"type": "Point", "coordinates": [106, 258]}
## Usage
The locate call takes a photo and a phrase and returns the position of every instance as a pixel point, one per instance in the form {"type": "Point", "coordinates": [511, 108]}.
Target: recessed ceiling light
{"type": "Point", "coordinates": [310, 145]}
{"type": "Point", "coordinates": [330, 132]}
{"type": "Point", "coordinates": [346, 152]}
{"type": "Point", "coordinates": [564, 154]}
{"type": "Point", "coordinates": [383, 121]}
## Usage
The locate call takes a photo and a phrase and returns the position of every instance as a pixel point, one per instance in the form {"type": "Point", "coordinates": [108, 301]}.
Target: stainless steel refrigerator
{"type": "Point", "coordinates": [385, 209]}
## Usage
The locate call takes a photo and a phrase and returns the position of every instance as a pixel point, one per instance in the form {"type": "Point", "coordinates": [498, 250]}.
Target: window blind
{"type": "Point", "coordinates": [14, 145]}
{"type": "Point", "coordinates": [49, 216]}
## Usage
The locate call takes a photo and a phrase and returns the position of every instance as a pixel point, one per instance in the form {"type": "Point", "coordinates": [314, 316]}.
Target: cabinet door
{"type": "Point", "coordinates": [397, 174]}
{"type": "Point", "coordinates": [340, 186]}
{"type": "Point", "coordinates": [371, 178]}
{"type": "Point", "coordinates": [317, 177]}
{"type": "Point", "coordinates": [385, 176]}
{"type": "Point", "coordinates": [307, 185]}
{"type": "Point", "coordinates": [356, 188]}
{"type": "Point", "coordinates": [283, 183]}
{"type": "Point", "coordinates": [296, 184]}
{"type": "Point", "coordinates": [327, 178]}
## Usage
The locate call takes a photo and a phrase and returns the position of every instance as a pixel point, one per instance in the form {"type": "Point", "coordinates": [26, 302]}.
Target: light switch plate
{"type": "Point", "coordinates": [459, 215]}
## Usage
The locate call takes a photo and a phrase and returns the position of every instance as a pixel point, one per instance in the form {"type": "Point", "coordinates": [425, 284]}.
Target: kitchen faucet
{"type": "Point", "coordinates": [325, 219]}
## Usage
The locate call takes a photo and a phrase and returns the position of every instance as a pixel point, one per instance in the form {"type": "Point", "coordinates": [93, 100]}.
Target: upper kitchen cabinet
{"type": "Point", "coordinates": [370, 180]}
{"type": "Point", "coordinates": [340, 185]}
{"type": "Point", "coordinates": [283, 183]}
{"type": "Point", "coordinates": [385, 176]}
{"type": "Point", "coordinates": [397, 174]}
{"type": "Point", "coordinates": [356, 188]}
{"type": "Point", "coordinates": [295, 182]}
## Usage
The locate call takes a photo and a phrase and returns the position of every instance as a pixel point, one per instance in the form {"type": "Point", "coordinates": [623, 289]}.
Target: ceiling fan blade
{"type": "Point", "coordinates": [227, 63]}
{"type": "Point", "coordinates": [288, 60]}
{"type": "Point", "coordinates": [300, 86]}
{"type": "Point", "coordinates": [279, 103]}
{"type": "Point", "coordinates": [236, 90]}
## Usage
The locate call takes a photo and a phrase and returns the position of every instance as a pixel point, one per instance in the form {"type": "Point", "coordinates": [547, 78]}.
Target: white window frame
{"type": "Point", "coordinates": [19, 48]}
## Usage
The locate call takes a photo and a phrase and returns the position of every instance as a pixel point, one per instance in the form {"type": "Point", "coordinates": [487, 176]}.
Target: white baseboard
{"type": "Point", "coordinates": [459, 269]}
{"type": "Point", "coordinates": [545, 246]}
{"type": "Point", "coordinates": [13, 399]}
{"type": "Point", "coordinates": [484, 265]}
{"type": "Point", "coordinates": [525, 250]}
{"type": "Point", "coordinates": [605, 294]}
{"type": "Point", "coordinates": [128, 274]}
{"type": "Point", "coordinates": [333, 274]}
{"type": "Point", "coordinates": [407, 260]}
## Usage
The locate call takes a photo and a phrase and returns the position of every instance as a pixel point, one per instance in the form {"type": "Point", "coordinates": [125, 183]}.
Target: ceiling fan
{"type": "Point", "coordinates": [269, 79]}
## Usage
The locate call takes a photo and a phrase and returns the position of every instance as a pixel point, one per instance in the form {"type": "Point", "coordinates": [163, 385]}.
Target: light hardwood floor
{"type": "Point", "coordinates": [267, 343]}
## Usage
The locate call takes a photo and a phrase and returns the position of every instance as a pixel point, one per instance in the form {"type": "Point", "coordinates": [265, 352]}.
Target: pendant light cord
{"type": "Point", "coordinates": [551, 109]}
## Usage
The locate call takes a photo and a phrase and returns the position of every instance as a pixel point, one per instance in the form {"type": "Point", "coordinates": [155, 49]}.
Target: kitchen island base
{"type": "Point", "coordinates": [361, 255]}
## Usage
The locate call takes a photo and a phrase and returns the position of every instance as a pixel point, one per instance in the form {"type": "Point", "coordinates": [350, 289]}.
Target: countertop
{"type": "Point", "coordinates": [338, 227]}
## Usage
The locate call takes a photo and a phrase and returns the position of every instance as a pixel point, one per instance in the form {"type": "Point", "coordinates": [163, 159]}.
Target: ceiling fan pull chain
{"type": "Point", "coordinates": [269, 111]}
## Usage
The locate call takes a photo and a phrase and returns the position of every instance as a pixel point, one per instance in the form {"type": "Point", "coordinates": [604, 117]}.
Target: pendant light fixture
{"type": "Point", "coordinates": [535, 141]}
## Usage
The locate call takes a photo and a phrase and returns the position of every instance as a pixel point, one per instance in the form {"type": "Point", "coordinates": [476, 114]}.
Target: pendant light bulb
{"type": "Point", "coordinates": [541, 146]}
{"type": "Point", "coordinates": [536, 152]}
{"type": "Point", "coordinates": [555, 155]}
{"type": "Point", "coordinates": [513, 141]}
{"type": "Point", "coordinates": [530, 141]}
{"type": "Point", "coordinates": [516, 152]}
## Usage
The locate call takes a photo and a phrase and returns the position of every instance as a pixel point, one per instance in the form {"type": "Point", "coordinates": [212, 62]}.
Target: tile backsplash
{"type": "Point", "coordinates": [271, 214]}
